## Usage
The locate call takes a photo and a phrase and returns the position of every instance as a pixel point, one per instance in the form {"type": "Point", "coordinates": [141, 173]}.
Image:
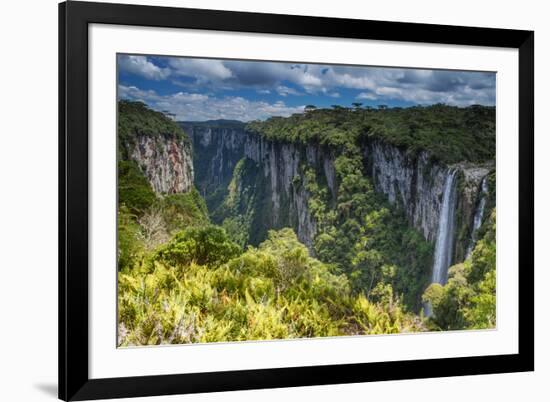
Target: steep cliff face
{"type": "Point", "coordinates": [472, 202]}
{"type": "Point", "coordinates": [274, 176]}
{"type": "Point", "coordinates": [410, 181]}
{"type": "Point", "coordinates": [218, 149]}
{"type": "Point", "coordinates": [166, 161]}
{"type": "Point", "coordinates": [283, 166]}
{"type": "Point", "coordinates": [416, 184]}
{"type": "Point", "coordinates": [158, 146]}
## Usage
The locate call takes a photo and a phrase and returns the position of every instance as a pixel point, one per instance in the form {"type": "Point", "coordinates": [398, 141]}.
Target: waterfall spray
{"type": "Point", "coordinates": [445, 233]}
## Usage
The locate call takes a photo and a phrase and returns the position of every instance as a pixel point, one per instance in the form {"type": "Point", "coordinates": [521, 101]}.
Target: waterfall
{"type": "Point", "coordinates": [478, 216]}
{"type": "Point", "coordinates": [445, 233]}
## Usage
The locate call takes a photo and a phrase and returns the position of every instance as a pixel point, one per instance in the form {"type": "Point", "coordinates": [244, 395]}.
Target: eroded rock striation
{"type": "Point", "coordinates": [411, 181]}
{"type": "Point", "coordinates": [416, 183]}
{"type": "Point", "coordinates": [166, 162]}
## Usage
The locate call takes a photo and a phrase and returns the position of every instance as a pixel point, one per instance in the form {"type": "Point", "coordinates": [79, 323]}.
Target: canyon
{"type": "Point", "coordinates": [412, 182]}
{"type": "Point", "coordinates": [444, 203]}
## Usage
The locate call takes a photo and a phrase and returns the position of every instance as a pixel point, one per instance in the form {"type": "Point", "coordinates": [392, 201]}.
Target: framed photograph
{"type": "Point", "coordinates": [257, 201]}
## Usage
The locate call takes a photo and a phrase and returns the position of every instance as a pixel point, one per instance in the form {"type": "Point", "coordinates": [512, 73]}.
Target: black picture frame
{"type": "Point", "coordinates": [74, 18]}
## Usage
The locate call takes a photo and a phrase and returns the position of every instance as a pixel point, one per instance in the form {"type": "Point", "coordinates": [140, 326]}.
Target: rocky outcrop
{"type": "Point", "coordinates": [219, 148]}
{"type": "Point", "coordinates": [472, 195]}
{"type": "Point", "coordinates": [166, 162]}
{"type": "Point", "coordinates": [411, 181]}
{"type": "Point", "coordinates": [282, 165]}
{"type": "Point", "coordinates": [416, 183]}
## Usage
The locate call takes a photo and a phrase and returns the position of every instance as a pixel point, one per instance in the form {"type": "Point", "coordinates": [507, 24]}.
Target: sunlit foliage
{"type": "Point", "coordinates": [275, 291]}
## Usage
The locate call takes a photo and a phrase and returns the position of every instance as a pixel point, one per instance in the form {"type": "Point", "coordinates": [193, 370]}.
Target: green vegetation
{"type": "Point", "coordinates": [146, 219]}
{"type": "Point", "coordinates": [223, 123]}
{"type": "Point", "coordinates": [468, 300]}
{"type": "Point", "coordinates": [450, 134]}
{"type": "Point", "coordinates": [358, 232]}
{"type": "Point", "coordinates": [134, 191]}
{"type": "Point", "coordinates": [142, 230]}
{"type": "Point", "coordinates": [183, 210]}
{"type": "Point", "coordinates": [192, 290]}
{"type": "Point", "coordinates": [183, 279]}
{"type": "Point", "coordinates": [245, 212]}
{"type": "Point", "coordinates": [135, 119]}
{"type": "Point", "coordinates": [203, 246]}
{"type": "Point", "coordinates": [363, 236]}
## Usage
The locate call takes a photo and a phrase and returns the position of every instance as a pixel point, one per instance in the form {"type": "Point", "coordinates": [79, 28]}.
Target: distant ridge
{"type": "Point", "coordinates": [214, 123]}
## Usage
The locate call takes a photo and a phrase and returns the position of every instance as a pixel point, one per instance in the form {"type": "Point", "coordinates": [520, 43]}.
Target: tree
{"type": "Point", "coordinates": [153, 227]}
{"type": "Point", "coordinates": [208, 245]}
{"type": "Point", "coordinates": [357, 105]}
{"type": "Point", "coordinates": [134, 190]}
{"type": "Point", "coordinates": [130, 245]}
{"type": "Point", "coordinates": [309, 108]}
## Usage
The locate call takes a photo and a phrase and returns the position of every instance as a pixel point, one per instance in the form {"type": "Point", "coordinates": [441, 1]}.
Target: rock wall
{"type": "Point", "coordinates": [166, 162]}
{"type": "Point", "coordinates": [282, 165]}
{"type": "Point", "coordinates": [411, 181]}
{"type": "Point", "coordinates": [219, 149]}
{"type": "Point", "coordinates": [416, 184]}
{"type": "Point", "coordinates": [470, 188]}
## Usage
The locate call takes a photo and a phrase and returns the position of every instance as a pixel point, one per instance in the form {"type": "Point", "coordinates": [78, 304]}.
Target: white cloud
{"type": "Point", "coordinates": [347, 80]}
{"type": "Point", "coordinates": [284, 91]}
{"type": "Point", "coordinates": [132, 92]}
{"type": "Point", "coordinates": [139, 65]}
{"type": "Point", "coordinates": [193, 106]}
{"type": "Point", "coordinates": [390, 92]}
{"type": "Point", "coordinates": [366, 95]}
{"type": "Point", "coordinates": [291, 79]}
{"type": "Point", "coordinates": [203, 69]}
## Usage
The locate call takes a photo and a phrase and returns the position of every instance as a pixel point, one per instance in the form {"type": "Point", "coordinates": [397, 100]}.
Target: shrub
{"type": "Point", "coordinates": [274, 291]}
{"type": "Point", "coordinates": [134, 191]}
{"type": "Point", "coordinates": [204, 246]}
{"type": "Point", "coordinates": [468, 300]}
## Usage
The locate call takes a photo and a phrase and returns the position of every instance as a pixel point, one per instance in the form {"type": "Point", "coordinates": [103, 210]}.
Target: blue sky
{"type": "Point", "coordinates": [206, 89]}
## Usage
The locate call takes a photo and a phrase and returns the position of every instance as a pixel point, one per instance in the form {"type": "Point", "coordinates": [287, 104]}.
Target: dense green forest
{"type": "Point", "coordinates": [360, 234]}
{"type": "Point", "coordinates": [187, 274]}
{"type": "Point", "coordinates": [448, 133]}
{"type": "Point", "coordinates": [135, 118]}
